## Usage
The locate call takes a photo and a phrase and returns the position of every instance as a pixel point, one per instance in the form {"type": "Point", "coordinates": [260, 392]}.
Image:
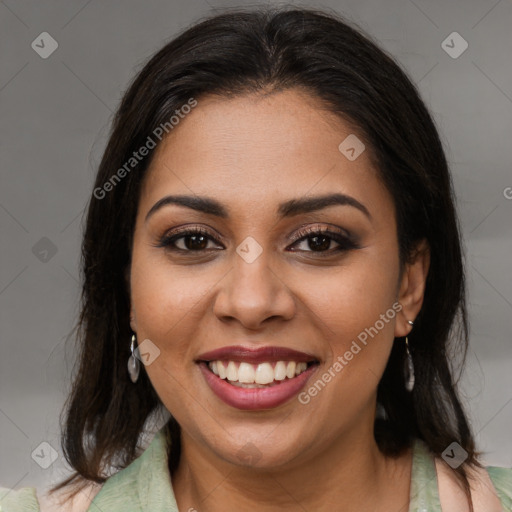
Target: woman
{"type": "Point", "coordinates": [272, 234]}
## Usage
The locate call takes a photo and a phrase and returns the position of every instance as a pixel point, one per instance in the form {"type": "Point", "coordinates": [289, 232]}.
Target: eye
{"type": "Point", "coordinates": [197, 239]}
{"type": "Point", "coordinates": [190, 239]}
{"type": "Point", "coordinates": [320, 239]}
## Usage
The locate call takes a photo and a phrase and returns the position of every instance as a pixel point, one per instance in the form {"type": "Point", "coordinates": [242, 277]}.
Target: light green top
{"type": "Point", "coordinates": [145, 485]}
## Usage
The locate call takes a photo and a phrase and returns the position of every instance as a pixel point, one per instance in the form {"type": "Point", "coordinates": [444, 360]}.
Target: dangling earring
{"type": "Point", "coordinates": [133, 363]}
{"type": "Point", "coordinates": [409, 366]}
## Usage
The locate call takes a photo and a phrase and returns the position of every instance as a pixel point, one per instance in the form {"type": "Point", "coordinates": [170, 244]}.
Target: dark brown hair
{"type": "Point", "coordinates": [261, 50]}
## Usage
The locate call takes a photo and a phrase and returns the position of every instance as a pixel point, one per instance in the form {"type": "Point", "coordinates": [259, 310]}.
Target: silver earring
{"type": "Point", "coordinates": [133, 363]}
{"type": "Point", "coordinates": [408, 366]}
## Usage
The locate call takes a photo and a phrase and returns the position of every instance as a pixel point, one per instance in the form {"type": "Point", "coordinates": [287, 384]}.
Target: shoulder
{"type": "Point", "coordinates": [149, 469]}
{"type": "Point", "coordinates": [63, 501]}
{"type": "Point", "coordinates": [21, 500]}
{"type": "Point", "coordinates": [27, 499]}
{"type": "Point", "coordinates": [491, 488]}
{"type": "Point", "coordinates": [502, 481]}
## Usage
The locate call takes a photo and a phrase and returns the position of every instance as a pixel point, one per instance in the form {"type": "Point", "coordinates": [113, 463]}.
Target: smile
{"type": "Point", "coordinates": [256, 378]}
{"type": "Point", "coordinates": [254, 396]}
{"type": "Point", "coordinates": [250, 376]}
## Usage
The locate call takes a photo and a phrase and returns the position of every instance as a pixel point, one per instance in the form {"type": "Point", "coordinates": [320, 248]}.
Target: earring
{"type": "Point", "coordinates": [133, 363]}
{"type": "Point", "coordinates": [408, 366]}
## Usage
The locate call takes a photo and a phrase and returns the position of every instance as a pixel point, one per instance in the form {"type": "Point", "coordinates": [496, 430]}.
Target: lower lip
{"type": "Point", "coordinates": [256, 398]}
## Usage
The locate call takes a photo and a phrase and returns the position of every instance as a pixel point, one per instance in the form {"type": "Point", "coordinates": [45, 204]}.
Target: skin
{"type": "Point", "coordinates": [251, 153]}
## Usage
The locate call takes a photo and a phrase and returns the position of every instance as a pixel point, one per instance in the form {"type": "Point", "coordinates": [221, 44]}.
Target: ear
{"type": "Point", "coordinates": [412, 287]}
{"type": "Point", "coordinates": [133, 320]}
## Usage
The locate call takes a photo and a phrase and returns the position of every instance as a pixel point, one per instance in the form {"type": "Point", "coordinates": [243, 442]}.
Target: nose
{"type": "Point", "coordinates": [253, 293]}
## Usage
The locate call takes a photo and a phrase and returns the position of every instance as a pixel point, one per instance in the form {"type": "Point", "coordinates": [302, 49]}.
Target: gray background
{"type": "Point", "coordinates": [55, 116]}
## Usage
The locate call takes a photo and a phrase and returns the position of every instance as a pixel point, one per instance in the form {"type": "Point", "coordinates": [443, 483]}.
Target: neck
{"type": "Point", "coordinates": [350, 474]}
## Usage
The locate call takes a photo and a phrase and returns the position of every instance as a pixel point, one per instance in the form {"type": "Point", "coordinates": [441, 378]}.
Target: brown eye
{"type": "Point", "coordinates": [194, 242]}
{"type": "Point", "coordinates": [187, 240]}
{"type": "Point", "coordinates": [319, 243]}
{"type": "Point", "coordinates": [319, 240]}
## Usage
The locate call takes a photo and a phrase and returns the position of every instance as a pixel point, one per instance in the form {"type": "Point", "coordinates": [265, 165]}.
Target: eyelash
{"type": "Point", "coordinates": [344, 243]}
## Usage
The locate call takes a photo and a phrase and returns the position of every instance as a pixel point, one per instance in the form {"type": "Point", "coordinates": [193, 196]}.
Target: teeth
{"type": "Point", "coordinates": [290, 370]}
{"type": "Point", "coordinates": [264, 374]}
{"type": "Point", "coordinates": [232, 371]}
{"type": "Point", "coordinates": [220, 369]}
{"type": "Point", "coordinates": [246, 373]}
{"type": "Point", "coordinates": [256, 375]}
{"type": "Point", "coordinates": [280, 370]}
{"type": "Point", "coordinates": [249, 386]}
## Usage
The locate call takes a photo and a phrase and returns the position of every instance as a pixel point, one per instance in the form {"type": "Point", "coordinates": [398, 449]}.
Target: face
{"type": "Point", "coordinates": [258, 271]}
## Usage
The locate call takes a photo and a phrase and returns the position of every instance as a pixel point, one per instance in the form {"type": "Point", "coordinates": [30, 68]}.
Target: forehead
{"type": "Point", "coordinates": [253, 150]}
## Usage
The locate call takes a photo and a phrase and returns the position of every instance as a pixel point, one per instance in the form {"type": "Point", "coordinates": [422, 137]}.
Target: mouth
{"type": "Point", "coordinates": [250, 376]}
{"type": "Point", "coordinates": [255, 379]}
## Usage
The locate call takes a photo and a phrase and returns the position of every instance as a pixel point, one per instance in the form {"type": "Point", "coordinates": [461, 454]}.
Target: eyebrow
{"type": "Point", "coordinates": [287, 209]}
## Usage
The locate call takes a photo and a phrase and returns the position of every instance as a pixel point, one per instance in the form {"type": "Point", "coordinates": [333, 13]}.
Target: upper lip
{"type": "Point", "coordinates": [254, 355]}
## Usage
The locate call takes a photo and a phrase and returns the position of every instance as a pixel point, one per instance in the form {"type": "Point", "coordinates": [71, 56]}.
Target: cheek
{"type": "Point", "coordinates": [357, 321]}
{"type": "Point", "coordinates": [167, 308]}
{"type": "Point", "coordinates": [351, 299]}
{"type": "Point", "coordinates": [169, 302]}
{"type": "Point", "coordinates": [156, 293]}
{"type": "Point", "coordinates": [353, 311]}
